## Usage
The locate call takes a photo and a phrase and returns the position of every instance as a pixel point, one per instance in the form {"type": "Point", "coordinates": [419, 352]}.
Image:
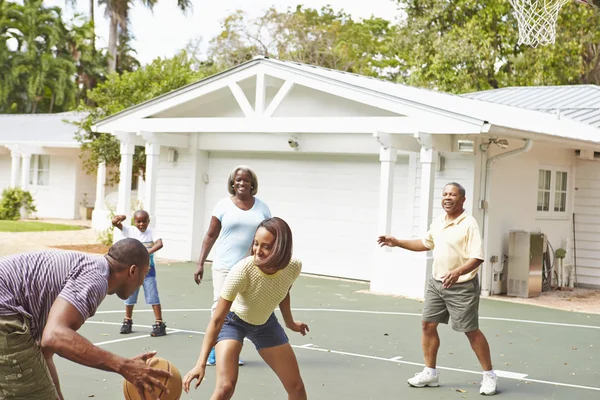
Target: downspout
{"type": "Point", "coordinates": [486, 287]}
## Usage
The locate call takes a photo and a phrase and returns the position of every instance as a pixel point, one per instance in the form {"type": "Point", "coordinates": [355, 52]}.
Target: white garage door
{"type": "Point", "coordinates": [330, 202]}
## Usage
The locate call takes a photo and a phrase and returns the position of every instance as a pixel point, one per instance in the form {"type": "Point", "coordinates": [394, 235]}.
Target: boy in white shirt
{"type": "Point", "coordinates": [149, 238]}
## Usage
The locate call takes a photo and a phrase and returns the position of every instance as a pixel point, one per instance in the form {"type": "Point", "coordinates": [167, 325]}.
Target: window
{"type": "Point", "coordinates": [39, 170]}
{"type": "Point", "coordinates": [552, 192]}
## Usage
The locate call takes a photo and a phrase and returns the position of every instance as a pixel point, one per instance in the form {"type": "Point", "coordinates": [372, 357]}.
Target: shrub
{"type": "Point", "coordinates": [13, 199]}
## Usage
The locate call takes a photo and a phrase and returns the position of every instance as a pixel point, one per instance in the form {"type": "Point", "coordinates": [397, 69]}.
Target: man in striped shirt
{"type": "Point", "coordinates": [45, 297]}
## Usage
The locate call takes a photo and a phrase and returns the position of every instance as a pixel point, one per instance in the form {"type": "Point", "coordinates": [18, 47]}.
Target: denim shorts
{"type": "Point", "coordinates": [269, 334]}
{"type": "Point", "coordinates": [150, 292]}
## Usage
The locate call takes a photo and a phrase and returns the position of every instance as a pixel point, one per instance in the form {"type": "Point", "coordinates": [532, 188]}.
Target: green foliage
{"type": "Point", "coordinates": [324, 37]}
{"type": "Point", "coordinates": [37, 76]}
{"type": "Point", "coordinates": [119, 92]}
{"type": "Point", "coordinates": [468, 45]}
{"type": "Point", "coordinates": [13, 199]}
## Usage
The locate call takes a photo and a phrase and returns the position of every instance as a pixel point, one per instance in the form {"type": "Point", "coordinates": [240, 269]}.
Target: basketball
{"type": "Point", "coordinates": [173, 383]}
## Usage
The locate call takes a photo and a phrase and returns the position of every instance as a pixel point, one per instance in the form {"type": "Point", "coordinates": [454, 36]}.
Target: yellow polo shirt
{"type": "Point", "coordinates": [254, 294]}
{"type": "Point", "coordinates": [453, 244]}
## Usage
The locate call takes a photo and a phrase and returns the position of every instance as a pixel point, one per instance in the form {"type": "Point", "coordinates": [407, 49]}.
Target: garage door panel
{"type": "Point", "coordinates": [330, 202]}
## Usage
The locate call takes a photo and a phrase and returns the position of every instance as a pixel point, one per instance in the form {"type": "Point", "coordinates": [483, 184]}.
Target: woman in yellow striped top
{"type": "Point", "coordinates": [252, 291]}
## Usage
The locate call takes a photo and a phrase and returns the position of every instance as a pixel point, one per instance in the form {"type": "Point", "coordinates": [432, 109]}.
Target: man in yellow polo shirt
{"type": "Point", "coordinates": [453, 289]}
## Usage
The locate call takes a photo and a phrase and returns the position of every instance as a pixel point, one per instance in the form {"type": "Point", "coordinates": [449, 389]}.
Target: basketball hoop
{"type": "Point", "coordinates": [537, 19]}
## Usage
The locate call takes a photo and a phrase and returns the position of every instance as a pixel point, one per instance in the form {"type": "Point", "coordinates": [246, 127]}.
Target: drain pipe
{"type": "Point", "coordinates": [486, 287]}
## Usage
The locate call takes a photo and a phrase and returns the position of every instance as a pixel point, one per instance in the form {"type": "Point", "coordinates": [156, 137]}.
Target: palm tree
{"type": "Point", "coordinates": [118, 13]}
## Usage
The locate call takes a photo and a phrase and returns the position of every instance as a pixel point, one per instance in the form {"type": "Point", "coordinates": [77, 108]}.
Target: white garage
{"type": "Point", "coordinates": [329, 201]}
{"type": "Point", "coordinates": [369, 157]}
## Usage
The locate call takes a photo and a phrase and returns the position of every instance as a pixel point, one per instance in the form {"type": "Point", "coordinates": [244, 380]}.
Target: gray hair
{"type": "Point", "coordinates": [461, 189]}
{"type": "Point", "coordinates": [253, 180]}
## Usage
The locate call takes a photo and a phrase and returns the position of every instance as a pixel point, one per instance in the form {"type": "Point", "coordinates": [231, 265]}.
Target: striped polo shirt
{"type": "Point", "coordinates": [30, 282]}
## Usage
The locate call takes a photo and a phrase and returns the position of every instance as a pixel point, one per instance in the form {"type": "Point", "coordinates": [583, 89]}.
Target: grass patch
{"type": "Point", "coordinates": [34, 226]}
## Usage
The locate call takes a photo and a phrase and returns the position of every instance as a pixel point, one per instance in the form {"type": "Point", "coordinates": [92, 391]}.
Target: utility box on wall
{"type": "Point", "coordinates": [525, 257]}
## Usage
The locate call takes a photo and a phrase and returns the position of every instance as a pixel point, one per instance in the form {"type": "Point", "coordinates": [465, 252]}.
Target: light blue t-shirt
{"type": "Point", "coordinates": [237, 231]}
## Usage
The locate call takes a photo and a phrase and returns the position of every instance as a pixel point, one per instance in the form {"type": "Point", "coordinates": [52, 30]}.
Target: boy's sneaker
{"type": "Point", "coordinates": [158, 329]}
{"type": "Point", "coordinates": [127, 325]}
{"type": "Point", "coordinates": [488, 385]}
{"type": "Point", "coordinates": [211, 358]}
{"type": "Point", "coordinates": [423, 379]}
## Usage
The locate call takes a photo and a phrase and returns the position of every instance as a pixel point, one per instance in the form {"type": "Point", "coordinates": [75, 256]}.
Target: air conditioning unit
{"type": "Point", "coordinates": [525, 258]}
{"type": "Point", "coordinates": [585, 154]}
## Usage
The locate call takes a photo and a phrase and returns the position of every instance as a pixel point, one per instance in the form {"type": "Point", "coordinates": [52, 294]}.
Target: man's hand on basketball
{"type": "Point", "coordinates": [384, 240]}
{"type": "Point", "coordinates": [299, 327]}
{"type": "Point", "coordinates": [450, 278]}
{"type": "Point", "coordinates": [142, 376]}
{"type": "Point", "coordinates": [199, 274]}
{"type": "Point", "coordinates": [195, 373]}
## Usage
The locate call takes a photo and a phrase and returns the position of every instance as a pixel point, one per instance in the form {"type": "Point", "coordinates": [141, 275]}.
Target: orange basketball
{"type": "Point", "coordinates": [173, 383]}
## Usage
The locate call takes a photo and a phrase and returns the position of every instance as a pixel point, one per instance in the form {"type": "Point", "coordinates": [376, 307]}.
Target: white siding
{"type": "Point", "coordinates": [513, 198]}
{"type": "Point", "coordinates": [175, 203]}
{"type": "Point", "coordinates": [5, 165]}
{"type": "Point", "coordinates": [86, 184]}
{"type": "Point", "coordinates": [302, 101]}
{"type": "Point", "coordinates": [57, 199]}
{"type": "Point", "coordinates": [329, 201]}
{"type": "Point", "coordinates": [587, 222]}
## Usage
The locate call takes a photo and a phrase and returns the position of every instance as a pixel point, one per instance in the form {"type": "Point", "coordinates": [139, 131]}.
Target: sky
{"type": "Point", "coordinates": [166, 30]}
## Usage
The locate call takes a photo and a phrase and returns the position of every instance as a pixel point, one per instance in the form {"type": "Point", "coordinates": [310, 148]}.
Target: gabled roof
{"type": "Point", "coordinates": [39, 129]}
{"type": "Point", "coordinates": [577, 102]}
{"type": "Point", "coordinates": [437, 103]}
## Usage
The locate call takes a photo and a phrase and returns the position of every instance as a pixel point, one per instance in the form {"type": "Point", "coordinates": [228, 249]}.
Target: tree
{"type": "Point", "coordinates": [322, 37]}
{"type": "Point", "coordinates": [119, 92]}
{"type": "Point", "coordinates": [117, 11]}
{"type": "Point", "coordinates": [467, 45]}
{"type": "Point", "coordinates": [38, 74]}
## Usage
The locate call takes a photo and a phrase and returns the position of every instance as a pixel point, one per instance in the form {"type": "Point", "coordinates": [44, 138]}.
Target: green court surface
{"type": "Point", "coordinates": [360, 346]}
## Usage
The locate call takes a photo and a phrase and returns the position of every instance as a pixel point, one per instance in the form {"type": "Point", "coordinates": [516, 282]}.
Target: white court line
{"type": "Point", "coordinates": [121, 340]}
{"type": "Point", "coordinates": [311, 347]}
{"type": "Point", "coordinates": [525, 321]}
{"type": "Point", "coordinates": [397, 358]}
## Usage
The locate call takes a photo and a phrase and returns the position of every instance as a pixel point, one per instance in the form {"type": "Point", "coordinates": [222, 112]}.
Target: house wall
{"type": "Point", "coordinates": [58, 198]}
{"type": "Point", "coordinates": [5, 165]}
{"type": "Point", "coordinates": [85, 189]}
{"type": "Point", "coordinates": [513, 199]}
{"type": "Point", "coordinates": [175, 203]}
{"type": "Point", "coordinates": [587, 222]}
{"type": "Point", "coordinates": [302, 101]}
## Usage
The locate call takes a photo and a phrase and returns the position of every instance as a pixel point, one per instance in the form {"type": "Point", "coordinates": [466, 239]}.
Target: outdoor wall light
{"type": "Point", "coordinates": [172, 155]}
{"type": "Point", "coordinates": [502, 143]}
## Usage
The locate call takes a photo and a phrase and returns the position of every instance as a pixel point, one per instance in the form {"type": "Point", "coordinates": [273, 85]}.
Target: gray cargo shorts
{"type": "Point", "coordinates": [460, 303]}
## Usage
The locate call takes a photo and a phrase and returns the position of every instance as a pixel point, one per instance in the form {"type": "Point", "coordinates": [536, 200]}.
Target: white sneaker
{"type": "Point", "coordinates": [488, 385]}
{"type": "Point", "coordinates": [423, 379]}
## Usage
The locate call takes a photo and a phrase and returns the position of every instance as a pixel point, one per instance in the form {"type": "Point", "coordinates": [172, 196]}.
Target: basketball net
{"type": "Point", "coordinates": [537, 20]}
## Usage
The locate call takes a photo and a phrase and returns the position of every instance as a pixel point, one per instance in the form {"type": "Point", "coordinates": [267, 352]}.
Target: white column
{"type": "Point", "coordinates": [125, 170]}
{"type": "Point", "coordinates": [152, 159]}
{"type": "Point", "coordinates": [25, 167]}
{"type": "Point", "coordinates": [388, 157]}
{"type": "Point", "coordinates": [428, 159]}
{"type": "Point", "coordinates": [100, 186]}
{"type": "Point", "coordinates": [14, 171]}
